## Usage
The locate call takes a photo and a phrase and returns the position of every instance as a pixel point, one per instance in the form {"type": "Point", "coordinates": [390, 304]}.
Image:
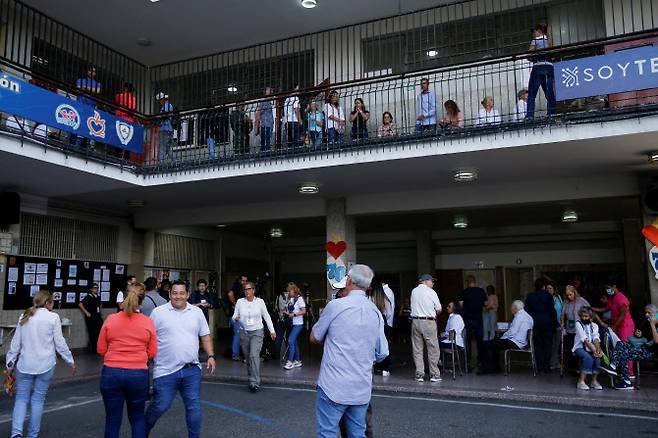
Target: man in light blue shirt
{"type": "Point", "coordinates": [166, 132]}
{"type": "Point", "coordinates": [516, 337]}
{"type": "Point", "coordinates": [352, 330]}
{"type": "Point", "coordinates": [426, 108]}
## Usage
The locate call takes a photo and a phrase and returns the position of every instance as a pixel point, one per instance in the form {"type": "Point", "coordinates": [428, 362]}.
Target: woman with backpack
{"type": "Point", "coordinates": [32, 353]}
{"type": "Point", "coordinates": [296, 312]}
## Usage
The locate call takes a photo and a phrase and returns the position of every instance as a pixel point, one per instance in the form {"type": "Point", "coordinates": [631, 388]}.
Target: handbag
{"type": "Point", "coordinates": [9, 382]}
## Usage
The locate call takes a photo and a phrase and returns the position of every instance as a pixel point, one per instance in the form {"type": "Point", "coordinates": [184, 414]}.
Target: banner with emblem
{"type": "Point", "coordinates": [22, 99]}
{"type": "Point", "coordinates": [626, 70]}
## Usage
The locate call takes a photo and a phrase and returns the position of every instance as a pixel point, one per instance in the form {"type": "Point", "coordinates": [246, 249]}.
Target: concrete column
{"type": "Point", "coordinates": [340, 228]}
{"type": "Point", "coordinates": [635, 261]}
{"type": "Point", "coordinates": [424, 252]}
{"type": "Point", "coordinates": [136, 265]}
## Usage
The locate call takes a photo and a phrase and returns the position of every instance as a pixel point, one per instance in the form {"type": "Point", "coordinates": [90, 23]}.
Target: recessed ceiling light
{"type": "Point", "coordinates": [221, 225]}
{"type": "Point", "coordinates": [144, 42]}
{"type": "Point", "coordinates": [276, 232]}
{"type": "Point", "coordinates": [154, 1]}
{"type": "Point", "coordinates": [232, 89]}
{"type": "Point", "coordinates": [569, 216]}
{"type": "Point", "coordinates": [464, 175]}
{"type": "Point", "coordinates": [460, 222]}
{"type": "Point", "coordinates": [309, 4]}
{"type": "Point", "coordinates": [309, 189]}
{"type": "Point", "coordinates": [653, 157]}
{"type": "Point", "coordinates": [432, 53]}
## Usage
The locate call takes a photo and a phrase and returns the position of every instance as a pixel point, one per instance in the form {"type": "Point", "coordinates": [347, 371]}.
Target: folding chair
{"type": "Point", "coordinates": [530, 349]}
{"type": "Point", "coordinates": [453, 351]}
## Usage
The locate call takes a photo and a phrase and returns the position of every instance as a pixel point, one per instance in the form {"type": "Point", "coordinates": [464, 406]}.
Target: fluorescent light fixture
{"type": "Point", "coordinates": [221, 225]}
{"type": "Point", "coordinates": [136, 203]}
{"type": "Point", "coordinates": [232, 89]}
{"type": "Point", "coordinates": [432, 53]}
{"type": "Point", "coordinates": [309, 189]}
{"type": "Point", "coordinates": [569, 216]}
{"type": "Point", "coordinates": [154, 1]}
{"type": "Point", "coordinates": [309, 4]}
{"type": "Point", "coordinates": [460, 222]}
{"type": "Point", "coordinates": [464, 175]}
{"type": "Point", "coordinates": [276, 232]}
{"type": "Point", "coordinates": [653, 157]}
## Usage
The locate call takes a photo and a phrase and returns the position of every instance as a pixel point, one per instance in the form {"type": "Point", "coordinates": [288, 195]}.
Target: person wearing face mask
{"type": "Point", "coordinates": [587, 347]}
{"type": "Point", "coordinates": [621, 321]}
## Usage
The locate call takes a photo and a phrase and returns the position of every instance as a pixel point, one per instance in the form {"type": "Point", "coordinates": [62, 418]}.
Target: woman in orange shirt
{"type": "Point", "coordinates": [127, 341]}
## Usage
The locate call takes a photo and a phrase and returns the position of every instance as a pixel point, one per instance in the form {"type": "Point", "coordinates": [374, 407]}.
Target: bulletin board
{"type": "Point", "coordinates": [68, 280]}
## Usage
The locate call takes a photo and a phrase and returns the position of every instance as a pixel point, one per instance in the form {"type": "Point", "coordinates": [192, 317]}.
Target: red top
{"type": "Point", "coordinates": [126, 100]}
{"type": "Point", "coordinates": [127, 341]}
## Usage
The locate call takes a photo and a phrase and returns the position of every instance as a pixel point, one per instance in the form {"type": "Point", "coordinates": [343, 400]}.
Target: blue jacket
{"type": "Point", "coordinates": [539, 304]}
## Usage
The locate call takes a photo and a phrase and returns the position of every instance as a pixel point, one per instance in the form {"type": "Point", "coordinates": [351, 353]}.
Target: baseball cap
{"type": "Point", "coordinates": [425, 277]}
{"type": "Point", "coordinates": [342, 284]}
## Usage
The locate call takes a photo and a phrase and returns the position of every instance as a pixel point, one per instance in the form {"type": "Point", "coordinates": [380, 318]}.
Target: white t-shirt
{"type": "Point", "coordinates": [424, 302]}
{"type": "Point", "coordinates": [289, 113]}
{"type": "Point", "coordinates": [389, 308]}
{"type": "Point", "coordinates": [120, 297]}
{"type": "Point", "coordinates": [456, 323]}
{"type": "Point", "coordinates": [252, 313]}
{"type": "Point", "coordinates": [297, 304]}
{"type": "Point", "coordinates": [330, 110]}
{"type": "Point", "coordinates": [488, 118]}
{"type": "Point", "coordinates": [521, 110]}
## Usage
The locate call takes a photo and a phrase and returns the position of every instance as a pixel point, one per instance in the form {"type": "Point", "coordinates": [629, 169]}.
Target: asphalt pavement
{"type": "Point", "coordinates": [229, 410]}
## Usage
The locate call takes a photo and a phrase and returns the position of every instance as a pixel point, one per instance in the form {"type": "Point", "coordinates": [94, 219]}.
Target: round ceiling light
{"type": "Point", "coordinates": [309, 189]}
{"type": "Point", "coordinates": [232, 89]}
{"type": "Point", "coordinates": [309, 4]}
{"type": "Point", "coordinates": [276, 232]}
{"type": "Point", "coordinates": [464, 175]}
{"type": "Point", "coordinates": [569, 216]}
{"type": "Point", "coordinates": [432, 53]}
{"type": "Point", "coordinates": [653, 157]}
{"type": "Point", "coordinates": [460, 222]}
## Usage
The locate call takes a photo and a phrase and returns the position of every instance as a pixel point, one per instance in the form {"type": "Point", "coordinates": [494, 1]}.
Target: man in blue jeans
{"type": "Point", "coordinates": [232, 297]}
{"type": "Point", "coordinates": [352, 330]}
{"type": "Point", "coordinates": [179, 325]}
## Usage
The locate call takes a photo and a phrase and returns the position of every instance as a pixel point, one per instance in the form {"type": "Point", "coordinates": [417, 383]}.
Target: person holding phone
{"type": "Point", "coordinates": [250, 313]}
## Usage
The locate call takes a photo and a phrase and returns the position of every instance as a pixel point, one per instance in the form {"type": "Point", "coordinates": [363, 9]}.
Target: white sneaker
{"type": "Point", "coordinates": [597, 386]}
{"type": "Point", "coordinates": [297, 364]}
{"type": "Point", "coordinates": [435, 378]}
{"type": "Point", "coordinates": [419, 378]}
{"type": "Point", "coordinates": [289, 365]}
{"type": "Point", "coordinates": [583, 386]}
{"type": "Point", "coordinates": [386, 373]}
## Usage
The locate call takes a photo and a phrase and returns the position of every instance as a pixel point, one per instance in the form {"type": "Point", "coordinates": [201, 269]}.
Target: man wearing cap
{"type": "Point", "coordinates": [425, 306]}
{"type": "Point", "coordinates": [352, 330]}
{"type": "Point", "coordinates": [166, 132]}
{"type": "Point", "coordinates": [91, 307]}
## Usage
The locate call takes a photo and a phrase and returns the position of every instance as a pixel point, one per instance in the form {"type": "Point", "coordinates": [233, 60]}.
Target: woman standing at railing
{"type": "Point", "coordinates": [32, 352]}
{"type": "Point", "coordinates": [335, 119]}
{"type": "Point", "coordinates": [542, 73]}
{"type": "Point", "coordinates": [359, 118]}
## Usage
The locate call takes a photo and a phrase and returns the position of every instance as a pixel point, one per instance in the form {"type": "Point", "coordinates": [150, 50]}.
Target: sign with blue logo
{"type": "Point", "coordinates": [22, 99]}
{"type": "Point", "coordinates": [626, 70]}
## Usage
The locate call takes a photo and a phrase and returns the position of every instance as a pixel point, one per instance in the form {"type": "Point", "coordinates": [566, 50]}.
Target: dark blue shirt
{"type": "Point", "coordinates": [474, 299]}
{"type": "Point", "coordinates": [197, 297]}
{"type": "Point", "coordinates": [539, 304]}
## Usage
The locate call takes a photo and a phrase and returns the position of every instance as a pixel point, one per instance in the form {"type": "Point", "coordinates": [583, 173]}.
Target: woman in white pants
{"type": "Point", "coordinates": [250, 313]}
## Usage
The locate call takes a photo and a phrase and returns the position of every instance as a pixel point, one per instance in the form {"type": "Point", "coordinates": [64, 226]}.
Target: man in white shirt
{"type": "Point", "coordinates": [516, 337]}
{"type": "Point", "coordinates": [179, 325]}
{"type": "Point", "coordinates": [291, 117]}
{"type": "Point", "coordinates": [521, 106]}
{"type": "Point", "coordinates": [389, 310]}
{"type": "Point", "coordinates": [425, 306]}
{"type": "Point", "coordinates": [130, 279]}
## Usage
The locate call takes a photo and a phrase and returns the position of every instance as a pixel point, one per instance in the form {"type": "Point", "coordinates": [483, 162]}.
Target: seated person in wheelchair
{"type": "Point", "coordinates": [643, 346]}
{"type": "Point", "coordinates": [456, 323]}
{"type": "Point", "coordinates": [516, 337]}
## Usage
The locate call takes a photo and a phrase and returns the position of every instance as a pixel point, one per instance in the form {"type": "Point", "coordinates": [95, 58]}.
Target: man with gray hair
{"type": "Point", "coordinates": [516, 337]}
{"type": "Point", "coordinates": [425, 306]}
{"type": "Point", "coordinates": [352, 330]}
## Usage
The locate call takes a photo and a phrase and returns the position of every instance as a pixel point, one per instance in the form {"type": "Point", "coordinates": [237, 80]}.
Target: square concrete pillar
{"type": "Point", "coordinates": [341, 241]}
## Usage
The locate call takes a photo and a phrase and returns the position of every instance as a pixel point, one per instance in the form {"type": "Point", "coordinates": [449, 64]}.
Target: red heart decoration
{"type": "Point", "coordinates": [336, 249]}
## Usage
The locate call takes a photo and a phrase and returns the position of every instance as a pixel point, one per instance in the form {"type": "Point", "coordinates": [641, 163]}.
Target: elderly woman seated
{"type": "Point", "coordinates": [587, 347]}
{"type": "Point", "coordinates": [642, 346]}
{"type": "Point", "coordinates": [516, 337]}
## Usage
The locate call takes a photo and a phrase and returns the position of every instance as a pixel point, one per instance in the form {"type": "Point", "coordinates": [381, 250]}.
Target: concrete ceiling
{"type": "Point", "coordinates": [181, 29]}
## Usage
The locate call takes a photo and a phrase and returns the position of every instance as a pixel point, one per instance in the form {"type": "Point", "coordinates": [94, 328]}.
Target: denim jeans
{"type": "Point", "coordinates": [166, 140]}
{"type": "Point", "coordinates": [187, 381]}
{"type": "Point", "coordinates": [588, 363]}
{"type": "Point", "coordinates": [334, 136]}
{"type": "Point", "coordinates": [360, 134]}
{"type": "Point", "coordinates": [265, 138]}
{"type": "Point", "coordinates": [426, 129]}
{"type": "Point", "coordinates": [489, 321]}
{"type": "Point", "coordinates": [119, 386]}
{"type": "Point", "coordinates": [30, 389]}
{"type": "Point", "coordinates": [293, 346]}
{"type": "Point", "coordinates": [294, 134]}
{"type": "Point", "coordinates": [212, 148]}
{"type": "Point", "coordinates": [315, 137]}
{"type": "Point", "coordinates": [541, 76]}
{"type": "Point", "coordinates": [329, 414]}
{"type": "Point", "coordinates": [235, 344]}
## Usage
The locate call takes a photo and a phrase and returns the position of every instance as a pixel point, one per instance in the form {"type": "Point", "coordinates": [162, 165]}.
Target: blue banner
{"type": "Point", "coordinates": [626, 70]}
{"type": "Point", "coordinates": [22, 99]}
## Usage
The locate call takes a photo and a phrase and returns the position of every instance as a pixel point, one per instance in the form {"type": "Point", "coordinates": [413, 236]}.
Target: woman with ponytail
{"type": "Point", "coordinates": [38, 337]}
{"type": "Point", "coordinates": [127, 341]}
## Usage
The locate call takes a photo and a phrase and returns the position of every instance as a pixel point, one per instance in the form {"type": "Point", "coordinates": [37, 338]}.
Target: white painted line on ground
{"type": "Point", "coordinates": [7, 419]}
{"type": "Point", "coordinates": [576, 411]}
